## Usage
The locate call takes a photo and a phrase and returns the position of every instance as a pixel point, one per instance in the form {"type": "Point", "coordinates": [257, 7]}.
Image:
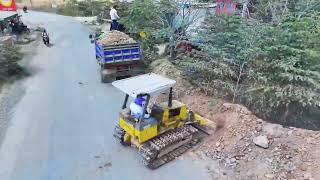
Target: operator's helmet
{"type": "Point", "coordinates": [140, 101]}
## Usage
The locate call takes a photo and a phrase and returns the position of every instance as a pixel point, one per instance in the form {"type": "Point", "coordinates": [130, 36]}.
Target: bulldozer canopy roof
{"type": "Point", "coordinates": [152, 84]}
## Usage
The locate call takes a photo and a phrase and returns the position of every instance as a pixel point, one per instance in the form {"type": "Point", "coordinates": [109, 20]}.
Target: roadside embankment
{"type": "Point", "coordinates": [244, 146]}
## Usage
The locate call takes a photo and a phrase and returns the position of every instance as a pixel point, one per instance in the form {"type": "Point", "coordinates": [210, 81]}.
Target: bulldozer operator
{"type": "Point", "coordinates": [136, 108]}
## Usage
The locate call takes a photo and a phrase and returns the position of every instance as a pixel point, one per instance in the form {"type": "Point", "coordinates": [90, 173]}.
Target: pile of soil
{"type": "Point", "coordinates": [247, 147]}
{"type": "Point", "coordinates": [244, 146]}
{"type": "Point", "coordinates": [115, 38]}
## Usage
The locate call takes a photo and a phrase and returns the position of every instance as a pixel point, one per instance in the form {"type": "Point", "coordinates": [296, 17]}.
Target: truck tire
{"type": "Point", "coordinates": [103, 78]}
{"type": "Point", "coordinates": [106, 78]}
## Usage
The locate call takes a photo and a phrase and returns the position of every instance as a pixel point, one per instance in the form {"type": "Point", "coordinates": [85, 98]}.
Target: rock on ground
{"type": "Point", "coordinates": [261, 141]}
{"type": "Point", "coordinates": [273, 130]}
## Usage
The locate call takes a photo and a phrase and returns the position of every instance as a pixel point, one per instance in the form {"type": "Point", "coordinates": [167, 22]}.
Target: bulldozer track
{"type": "Point", "coordinates": [172, 155]}
{"type": "Point", "coordinates": [119, 133]}
{"type": "Point", "coordinates": [168, 146]}
{"type": "Point", "coordinates": [165, 147]}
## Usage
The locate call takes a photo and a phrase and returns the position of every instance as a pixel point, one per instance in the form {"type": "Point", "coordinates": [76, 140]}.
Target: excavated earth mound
{"type": "Point", "coordinates": [115, 38]}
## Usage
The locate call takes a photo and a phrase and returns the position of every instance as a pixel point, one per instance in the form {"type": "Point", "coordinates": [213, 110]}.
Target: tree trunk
{"type": "Point", "coordinates": [286, 113]}
{"type": "Point", "coordinates": [236, 88]}
{"type": "Point", "coordinates": [273, 12]}
{"type": "Point", "coordinates": [172, 53]}
{"type": "Point", "coordinates": [245, 10]}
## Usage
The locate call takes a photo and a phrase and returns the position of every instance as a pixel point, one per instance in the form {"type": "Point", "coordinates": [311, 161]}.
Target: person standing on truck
{"type": "Point", "coordinates": [114, 17]}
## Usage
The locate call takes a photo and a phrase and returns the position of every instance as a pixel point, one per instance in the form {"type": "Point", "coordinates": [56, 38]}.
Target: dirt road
{"type": "Point", "coordinates": [62, 130]}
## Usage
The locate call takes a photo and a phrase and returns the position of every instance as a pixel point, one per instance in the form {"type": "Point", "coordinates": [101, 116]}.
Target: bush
{"type": "Point", "coordinates": [274, 70]}
{"type": "Point", "coordinates": [69, 9]}
{"type": "Point", "coordinates": [9, 67]}
{"type": "Point", "coordinates": [82, 8]}
{"type": "Point", "coordinates": [160, 21]}
{"type": "Point", "coordinates": [287, 86]}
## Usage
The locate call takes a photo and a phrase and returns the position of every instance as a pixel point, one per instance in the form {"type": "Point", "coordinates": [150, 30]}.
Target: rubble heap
{"type": "Point", "coordinates": [249, 148]}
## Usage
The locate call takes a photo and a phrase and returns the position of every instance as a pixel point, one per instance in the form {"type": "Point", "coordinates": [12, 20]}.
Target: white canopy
{"type": "Point", "coordinates": [152, 84]}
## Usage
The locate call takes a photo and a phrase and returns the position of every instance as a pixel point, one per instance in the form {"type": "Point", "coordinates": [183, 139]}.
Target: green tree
{"type": "Point", "coordinates": [289, 70]}
{"type": "Point", "coordinates": [272, 68]}
{"type": "Point", "coordinates": [82, 8]}
{"type": "Point", "coordinates": [231, 48]}
{"type": "Point", "coordinates": [143, 16]}
{"type": "Point", "coordinates": [164, 20]}
{"type": "Point", "coordinates": [276, 10]}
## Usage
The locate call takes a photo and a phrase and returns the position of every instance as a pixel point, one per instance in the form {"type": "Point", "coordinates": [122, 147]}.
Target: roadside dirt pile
{"type": "Point", "coordinates": [115, 38]}
{"type": "Point", "coordinates": [164, 67]}
{"type": "Point", "coordinates": [244, 146]}
{"type": "Point", "coordinates": [249, 148]}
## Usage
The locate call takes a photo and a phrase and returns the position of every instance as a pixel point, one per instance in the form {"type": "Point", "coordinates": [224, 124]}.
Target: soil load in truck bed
{"type": "Point", "coordinates": [115, 38]}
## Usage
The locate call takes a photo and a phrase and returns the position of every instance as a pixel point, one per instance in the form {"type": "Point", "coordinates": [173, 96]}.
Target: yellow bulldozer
{"type": "Point", "coordinates": [164, 130]}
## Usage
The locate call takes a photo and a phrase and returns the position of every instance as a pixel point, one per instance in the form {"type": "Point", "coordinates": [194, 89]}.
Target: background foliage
{"type": "Point", "coordinates": [269, 62]}
{"type": "Point", "coordinates": [82, 8]}
{"type": "Point", "coordinates": [274, 70]}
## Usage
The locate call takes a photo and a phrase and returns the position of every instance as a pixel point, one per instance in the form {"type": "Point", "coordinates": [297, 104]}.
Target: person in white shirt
{"type": "Point", "coordinates": [114, 17]}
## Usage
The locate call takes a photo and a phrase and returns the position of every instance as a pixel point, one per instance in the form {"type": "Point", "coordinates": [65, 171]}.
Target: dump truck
{"type": "Point", "coordinates": [169, 130]}
{"type": "Point", "coordinates": [117, 61]}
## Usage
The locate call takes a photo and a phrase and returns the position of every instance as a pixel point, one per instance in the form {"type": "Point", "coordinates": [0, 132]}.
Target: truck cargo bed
{"type": "Point", "coordinates": [117, 53]}
{"type": "Point", "coordinates": [117, 61]}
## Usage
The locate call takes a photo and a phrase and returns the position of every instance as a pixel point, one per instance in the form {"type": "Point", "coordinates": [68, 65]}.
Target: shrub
{"type": "Point", "coordinates": [9, 67]}
{"type": "Point", "coordinates": [272, 69]}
